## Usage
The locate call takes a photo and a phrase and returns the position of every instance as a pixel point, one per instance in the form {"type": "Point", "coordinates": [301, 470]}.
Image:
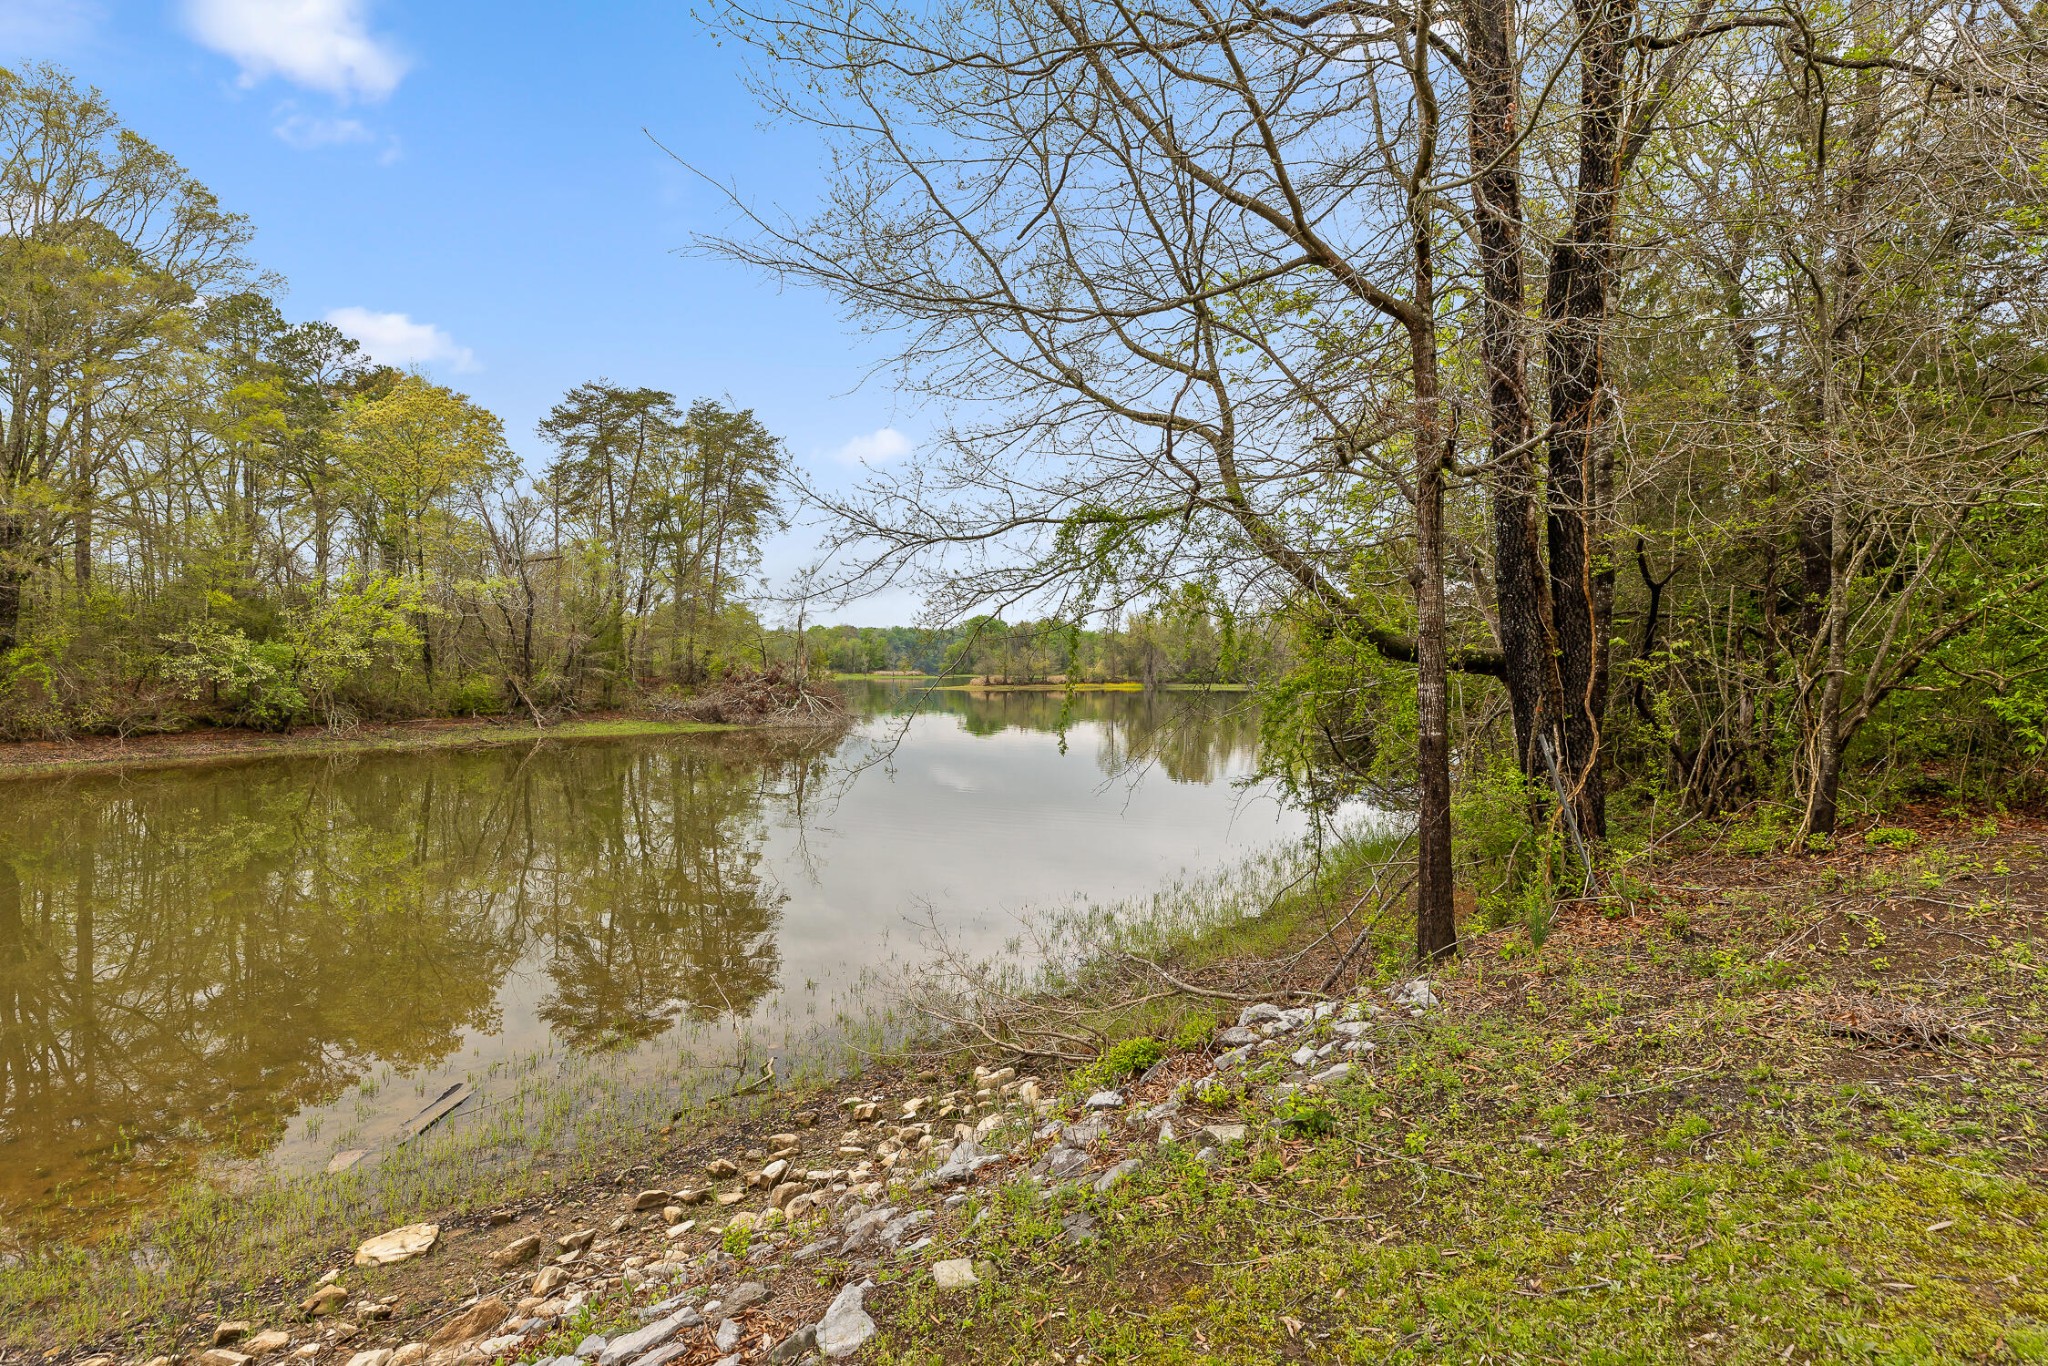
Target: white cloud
{"type": "Point", "coordinates": [876, 448]}
{"type": "Point", "coordinates": [320, 44]}
{"type": "Point", "coordinates": [306, 131]}
{"type": "Point", "coordinates": [42, 27]}
{"type": "Point", "coordinates": [395, 339]}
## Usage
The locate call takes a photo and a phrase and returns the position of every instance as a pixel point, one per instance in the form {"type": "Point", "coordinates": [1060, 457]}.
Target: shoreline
{"type": "Point", "coordinates": [1556, 1130]}
{"type": "Point", "coordinates": [29, 759]}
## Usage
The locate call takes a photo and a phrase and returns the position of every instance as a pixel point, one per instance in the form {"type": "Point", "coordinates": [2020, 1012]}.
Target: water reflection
{"type": "Point", "coordinates": [194, 962]}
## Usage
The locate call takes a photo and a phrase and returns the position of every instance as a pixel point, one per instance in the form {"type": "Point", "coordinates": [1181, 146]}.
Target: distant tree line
{"type": "Point", "coordinates": [210, 511]}
{"type": "Point", "coordinates": [1188, 637]}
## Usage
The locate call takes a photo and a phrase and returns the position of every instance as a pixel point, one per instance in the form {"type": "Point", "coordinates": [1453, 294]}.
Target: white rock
{"type": "Point", "coordinates": [1260, 1013]}
{"type": "Point", "coordinates": [955, 1274]}
{"type": "Point", "coordinates": [1105, 1100]}
{"type": "Point", "coordinates": [1415, 994]}
{"type": "Point", "coordinates": [1303, 1056]}
{"type": "Point", "coordinates": [629, 1345]}
{"type": "Point", "coordinates": [846, 1327]}
{"type": "Point", "coordinates": [1222, 1134]}
{"type": "Point", "coordinates": [1330, 1076]}
{"type": "Point", "coordinates": [398, 1245]}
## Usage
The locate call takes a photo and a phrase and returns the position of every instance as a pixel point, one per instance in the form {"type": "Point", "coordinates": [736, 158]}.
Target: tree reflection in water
{"type": "Point", "coordinates": [188, 958]}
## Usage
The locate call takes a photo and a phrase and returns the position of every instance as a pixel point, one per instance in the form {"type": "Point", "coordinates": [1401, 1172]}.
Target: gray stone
{"type": "Point", "coordinates": [1081, 1135]}
{"type": "Point", "coordinates": [1416, 995]}
{"type": "Point", "coordinates": [591, 1346]}
{"type": "Point", "coordinates": [664, 1354]}
{"type": "Point", "coordinates": [1260, 1013]}
{"type": "Point", "coordinates": [745, 1295]}
{"type": "Point", "coordinates": [1331, 1076]}
{"type": "Point", "coordinates": [1106, 1100]}
{"type": "Point", "coordinates": [846, 1327]}
{"type": "Point", "coordinates": [892, 1232]}
{"type": "Point", "coordinates": [1303, 1056]}
{"type": "Point", "coordinates": [1117, 1174]}
{"type": "Point", "coordinates": [1226, 1061]}
{"type": "Point", "coordinates": [1222, 1134]}
{"type": "Point", "coordinates": [631, 1345]}
{"type": "Point", "coordinates": [728, 1335]}
{"type": "Point", "coordinates": [955, 1274]}
{"type": "Point", "coordinates": [1350, 1029]}
{"type": "Point", "coordinates": [966, 1160]}
{"type": "Point", "coordinates": [1237, 1036]}
{"type": "Point", "coordinates": [795, 1347]}
{"type": "Point", "coordinates": [909, 1249]}
{"type": "Point", "coordinates": [1079, 1227]}
{"type": "Point", "coordinates": [1064, 1164]}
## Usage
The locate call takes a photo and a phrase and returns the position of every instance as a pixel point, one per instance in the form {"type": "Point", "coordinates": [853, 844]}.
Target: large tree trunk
{"type": "Point", "coordinates": [1436, 925]}
{"type": "Point", "coordinates": [13, 578]}
{"type": "Point", "coordinates": [1521, 588]}
{"type": "Point", "coordinates": [1580, 456]}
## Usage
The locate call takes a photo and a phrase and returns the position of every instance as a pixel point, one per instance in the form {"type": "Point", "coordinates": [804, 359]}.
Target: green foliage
{"type": "Point", "coordinates": [1123, 1059]}
{"type": "Point", "coordinates": [1890, 837]}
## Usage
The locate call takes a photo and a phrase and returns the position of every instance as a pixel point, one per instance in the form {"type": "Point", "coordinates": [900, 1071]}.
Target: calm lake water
{"type": "Point", "coordinates": [243, 962]}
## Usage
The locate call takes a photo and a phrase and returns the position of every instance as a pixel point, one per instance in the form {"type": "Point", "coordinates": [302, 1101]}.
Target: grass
{"type": "Point", "coordinates": [1640, 1142]}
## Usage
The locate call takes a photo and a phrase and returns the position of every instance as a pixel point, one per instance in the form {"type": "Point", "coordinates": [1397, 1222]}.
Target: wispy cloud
{"type": "Point", "coordinates": [308, 131]}
{"type": "Point", "coordinates": [878, 447]}
{"type": "Point", "coordinates": [395, 339]}
{"type": "Point", "coordinates": [44, 27]}
{"type": "Point", "coordinates": [320, 44]}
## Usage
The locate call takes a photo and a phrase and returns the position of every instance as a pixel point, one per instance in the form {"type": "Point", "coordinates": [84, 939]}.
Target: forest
{"type": "Point", "coordinates": [211, 513]}
{"type": "Point", "coordinates": [1632, 410]}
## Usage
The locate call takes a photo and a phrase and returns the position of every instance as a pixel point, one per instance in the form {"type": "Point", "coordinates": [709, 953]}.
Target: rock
{"type": "Point", "coordinates": [400, 1244]}
{"type": "Point", "coordinates": [380, 1356]}
{"type": "Point", "coordinates": [780, 1142]}
{"type": "Point", "coordinates": [1350, 1029]}
{"type": "Point", "coordinates": [504, 1342]}
{"type": "Point", "coordinates": [800, 1204]}
{"type": "Point", "coordinates": [1303, 1056]}
{"type": "Point", "coordinates": [1261, 1013]}
{"type": "Point", "coordinates": [517, 1251]}
{"type": "Point", "coordinates": [769, 1174]}
{"type": "Point", "coordinates": [1028, 1092]}
{"type": "Point", "coordinates": [325, 1300]}
{"type": "Point", "coordinates": [1415, 995]}
{"type": "Point", "coordinates": [1222, 1134]}
{"type": "Point", "coordinates": [223, 1356]}
{"type": "Point", "coordinates": [678, 1230]}
{"type": "Point", "coordinates": [577, 1241]}
{"type": "Point", "coordinates": [412, 1354]}
{"type": "Point", "coordinates": [696, 1195]}
{"type": "Point", "coordinates": [722, 1167]}
{"type": "Point", "coordinates": [650, 1199]}
{"type": "Point", "coordinates": [745, 1295]}
{"type": "Point", "coordinates": [1063, 1163]}
{"type": "Point", "coordinates": [966, 1161]}
{"type": "Point", "coordinates": [473, 1322]}
{"type": "Point", "coordinates": [795, 1347]}
{"type": "Point", "coordinates": [957, 1273]}
{"type": "Point", "coordinates": [263, 1344]}
{"type": "Point", "coordinates": [1079, 1227]}
{"type": "Point", "coordinates": [893, 1232]}
{"type": "Point", "coordinates": [591, 1345]}
{"type": "Point", "coordinates": [343, 1332]}
{"type": "Point", "coordinates": [728, 1336]}
{"type": "Point", "coordinates": [846, 1327]}
{"type": "Point", "coordinates": [1120, 1172]}
{"type": "Point", "coordinates": [1237, 1036]}
{"type": "Point", "coordinates": [1226, 1061]}
{"type": "Point", "coordinates": [1291, 1020]}
{"type": "Point", "coordinates": [628, 1346]}
{"type": "Point", "coordinates": [1105, 1100]}
{"type": "Point", "coordinates": [1331, 1076]}
{"type": "Point", "coordinates": [732, 1197]}
{"type": "Point", "coordinates": [545, 1283]}
{"type": "Point", "coordinates": [225, 1333]}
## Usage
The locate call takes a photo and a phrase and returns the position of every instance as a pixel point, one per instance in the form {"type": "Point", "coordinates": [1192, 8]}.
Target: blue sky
{"type": "Point", "coordinates": [466, 187]}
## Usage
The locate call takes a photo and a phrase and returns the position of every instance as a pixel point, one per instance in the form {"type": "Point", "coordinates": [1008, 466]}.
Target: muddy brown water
{"type": "Point", "coordinates": [281, 960]}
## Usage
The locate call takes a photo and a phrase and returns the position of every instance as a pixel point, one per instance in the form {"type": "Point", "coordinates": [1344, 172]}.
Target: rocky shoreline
{"type": "Point", "coordinates": [771, 1254]}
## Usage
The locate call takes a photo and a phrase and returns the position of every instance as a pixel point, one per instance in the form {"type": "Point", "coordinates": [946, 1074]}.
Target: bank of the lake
{"type": "Point", "coordinates": [203, 745]}
{"type": "Point", "coordinates": [1778, 1108]}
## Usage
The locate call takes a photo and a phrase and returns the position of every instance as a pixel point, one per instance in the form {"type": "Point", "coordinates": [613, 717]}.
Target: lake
{"type": "Point", "coordinates": [279, 961]}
